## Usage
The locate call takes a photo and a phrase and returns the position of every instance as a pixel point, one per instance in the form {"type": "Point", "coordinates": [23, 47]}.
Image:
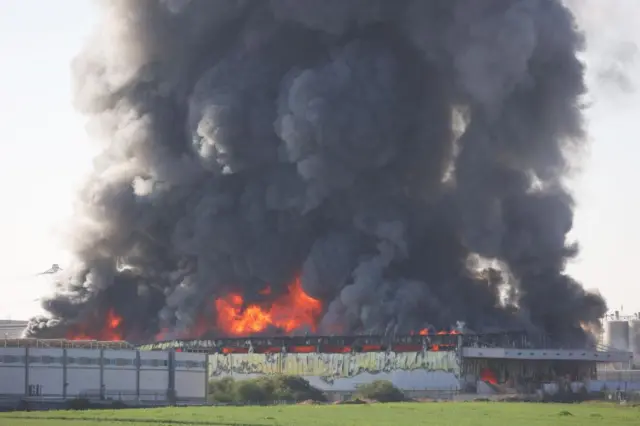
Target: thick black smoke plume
{"type": "Point", "coordinates": [405, 158]}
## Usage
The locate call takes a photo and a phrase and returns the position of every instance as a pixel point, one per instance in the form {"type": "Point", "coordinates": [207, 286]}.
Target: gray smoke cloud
{"type": "Point", "coordinates": [250, 142]}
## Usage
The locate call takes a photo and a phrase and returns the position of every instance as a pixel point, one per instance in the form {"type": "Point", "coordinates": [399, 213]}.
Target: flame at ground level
{"type": "Point", "coordinates": [292, 311]}
{"type": "Point", "coordinates": [487, 375]}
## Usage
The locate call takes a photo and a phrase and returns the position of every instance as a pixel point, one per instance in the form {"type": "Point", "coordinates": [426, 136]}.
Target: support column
{"type": "Point", "coordinates": [282, 356]}
{"type": "Point", "coordinates": [171, 368]}
{"type": "Point", "coordinates": [64, 374]}
{"type": "Point", "coordinates": [102, 389]}
{"type": "Point", "coordinates": [26, 371]}
{"type": "Point", "coordinates": [206, 376]}
{"type": "Point", "coordinates": [461, 363]}
{"type": "Point", "coordinates": [138, 366]}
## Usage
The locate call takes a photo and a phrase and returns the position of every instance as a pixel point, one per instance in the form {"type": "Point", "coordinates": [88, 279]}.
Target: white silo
{"type": "Point", "coordinates": [616, 333]}
{"type": "Point", "coordinates": [634, 337]}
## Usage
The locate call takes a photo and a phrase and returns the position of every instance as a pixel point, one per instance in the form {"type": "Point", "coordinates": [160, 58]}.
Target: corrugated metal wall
{"type": "Point", "coordinates": [101, 373]}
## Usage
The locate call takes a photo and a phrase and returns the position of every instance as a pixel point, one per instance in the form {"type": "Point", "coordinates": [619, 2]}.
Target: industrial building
{"type": "Point", "coordinates": [60, 369]}
{"type": "Point", "coordinates": [622, 332]}
{"type": "Point", "coordinates": [421, 366]}
{"type": "Point", "coordinates": [11, 329]}
{"type": "Point", "coordinates": [439, 365]}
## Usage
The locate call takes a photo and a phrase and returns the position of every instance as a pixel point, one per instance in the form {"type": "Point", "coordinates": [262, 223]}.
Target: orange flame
{"type": "Point", "coordinates": [110, 330]}
{"type": "Point", "coordinates": [425, 332]}
{"type": "Point", "coordinates": [487, 375]}
{"type": "Point", "coordinates": [266, 291]}
{"type": "Point", "coordinates": [292, 311]}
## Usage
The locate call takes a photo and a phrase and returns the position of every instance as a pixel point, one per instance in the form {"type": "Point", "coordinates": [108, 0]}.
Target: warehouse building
{"type": "Point", "coordinates": [12, 329]}
{"type": "Point", "coordinates": [60, 369]}
{"type": "Point", "coordinates": [419, 365]}
{"type": "Point", "coordinates": [178, 371]}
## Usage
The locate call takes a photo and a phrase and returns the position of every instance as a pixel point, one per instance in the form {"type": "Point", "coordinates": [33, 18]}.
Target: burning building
{"type": "Point", "coordinates": [441, 365]}
{"type": "Point", "coordinates": [327, 167]}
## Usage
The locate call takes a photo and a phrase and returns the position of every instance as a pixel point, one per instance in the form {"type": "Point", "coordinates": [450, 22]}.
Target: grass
{"type": "Point", "coordinates": [398, 414]}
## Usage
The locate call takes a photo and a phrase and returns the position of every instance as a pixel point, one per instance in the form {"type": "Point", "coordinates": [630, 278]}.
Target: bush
{"type": "Point", "coordinates": [381, 391]}
{"type": "Point", "coordinates": [79, 404]}
{"type": "Point", "coordinates": [118, 405]}
{"type": "Point", "coordinates": [22, 405]}
{"type": "Point", "coordinates": [222, 390]}
{"type": "Point", "coordinates": [251, 391]}
{"type": "Point", "coordinates": [290, 388]}
{"type": "Point", "coordinates": [263, 390]}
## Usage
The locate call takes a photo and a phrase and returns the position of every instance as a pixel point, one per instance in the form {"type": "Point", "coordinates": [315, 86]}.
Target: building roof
{"type": "Point", "coordinates": [12, 329]}
{"type": "Point", "coordinates": [63, 344]}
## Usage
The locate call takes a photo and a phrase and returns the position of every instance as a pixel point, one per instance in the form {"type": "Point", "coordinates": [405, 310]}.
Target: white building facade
{"type": "Point", "coordinates": [100, 373]}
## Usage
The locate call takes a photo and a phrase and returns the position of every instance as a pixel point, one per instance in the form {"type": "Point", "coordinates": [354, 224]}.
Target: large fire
{"type": "Point", "coordinates": [109, 331]}
{"type": "Point", "coordinates": [293, 311]}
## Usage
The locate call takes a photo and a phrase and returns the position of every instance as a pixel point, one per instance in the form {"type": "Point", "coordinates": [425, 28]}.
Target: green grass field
{"type": "Point", "coordinates": [447, 413]}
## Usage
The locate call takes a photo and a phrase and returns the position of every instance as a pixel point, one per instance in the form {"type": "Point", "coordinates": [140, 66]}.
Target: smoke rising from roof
{"type": "Point", "coordinates": [250, 143]}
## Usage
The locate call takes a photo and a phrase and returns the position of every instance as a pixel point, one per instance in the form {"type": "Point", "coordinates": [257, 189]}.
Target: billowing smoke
{"type": "Point", "coordinates": [403, 159]}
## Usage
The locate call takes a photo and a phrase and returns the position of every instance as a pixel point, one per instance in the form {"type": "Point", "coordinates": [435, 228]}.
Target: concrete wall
{"type": "Point", "coordinates": [625, 380]}
{"type": "Point", "coordinates": [190, 375]}
{"type": "Point", "coordinates": [46, 371]}
{"type": "Point", "coordinates": [12, 371]}
{"type": "Point", "coordinates": [114, 374]}
{"type": "Point", "coordinates": [417, 371]}
{"type": "Point", "coordinates": [154, 375]}
{"type": "Point", "coordinates": [83, 370]}
{"type": "Point", "coordinates": [119, 375]}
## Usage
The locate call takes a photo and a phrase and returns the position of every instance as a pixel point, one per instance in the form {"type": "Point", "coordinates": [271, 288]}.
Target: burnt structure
{"type": "Point", "coordinates": [343, 344]}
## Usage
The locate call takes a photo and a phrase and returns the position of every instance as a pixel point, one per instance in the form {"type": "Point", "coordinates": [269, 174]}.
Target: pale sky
{"type": "Point", "coordinates": [45, 153]}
